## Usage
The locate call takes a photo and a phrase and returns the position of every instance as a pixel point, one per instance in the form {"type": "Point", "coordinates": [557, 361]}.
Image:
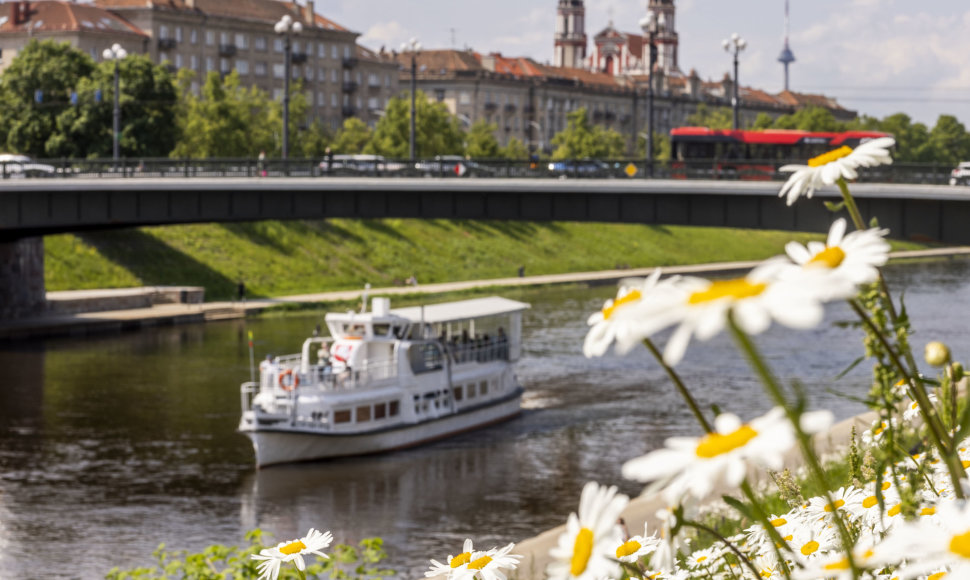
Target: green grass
{"type": "Point", "coordinates": [277, 258]}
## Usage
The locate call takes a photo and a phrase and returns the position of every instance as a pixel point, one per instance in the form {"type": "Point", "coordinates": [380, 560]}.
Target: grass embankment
{"type": "Point", "coordinates": [278, 258]}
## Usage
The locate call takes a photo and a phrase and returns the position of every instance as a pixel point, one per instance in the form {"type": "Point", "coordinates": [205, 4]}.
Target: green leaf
{"type": "Point", "coordinates": [741, 507]}
{"type": "Point", "coordinates": [835, 207]}
{"type": "Point", "coordinates": [851, 366]}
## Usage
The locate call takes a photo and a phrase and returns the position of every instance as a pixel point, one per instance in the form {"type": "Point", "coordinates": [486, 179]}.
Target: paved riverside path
{"type": "Point", "coordinates": [83, 323]}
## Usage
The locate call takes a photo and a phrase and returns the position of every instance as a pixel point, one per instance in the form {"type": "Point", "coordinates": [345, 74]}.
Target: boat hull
{"type": "Point", "coordinates": [290, 445]}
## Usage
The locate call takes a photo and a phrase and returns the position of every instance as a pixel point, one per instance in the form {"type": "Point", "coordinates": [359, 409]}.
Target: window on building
{"type": "Point", "coordinates": [194, 62]}
{"type": "Point", "coordinates": [259, 43]}
{"type": "Point", "coordinates": [309, 72]}
{"type": "Point", "coordinates": [346, 100]}
{"type": "Point", "coordinates": [464, 98]}
{"type": "Point", "coordinates": [321, 99]}
{"type": "Point", "coordinates": [333, 51]}
{"type": "Point", "coordinates": [242, 66]}
{"type": "Point", "coordinates": [208, 64]}
{"type": "Point", "coordinates": [322, 74]}
{"type": "Point", "coordinates": [277, 94]}
{"type": "Point", "coordinates": [162, 56]}
{"type": "Point", "coordinates": [210, 37]}
{"type": "Point", "coordinates": [333, 75]}
{"type": "Point", "coordinates": [359, 78]}
{"type": "Point", "coordinates": [359, 102]}
{"type": "Point", "coordinates": [224, 37]}
{"type": "Point", "coordinates": [387, 80]}
{"type": "Point", "coordinates": [278, 44]}
{"type": "Point", "coordinates": [295, 72]}
{"type": "Point", "coordinates": [346, 76]}
{"type": "Point", "coordinates": [259, 68]}
{"type": "Point", "coordinates": [439, 95]}
{"type": "Point", "coordinates": [373, 103]}
{"type": "Point", "coordinates": [373, 80]}
{"type": "Point", "coordinates": [242, 41]}
{"type": "Point", "coordinates": [322, 50]}
{"type": "Point", "coordinates": [195, 87]}
{"type": "Point", "coordinates": [178, 61]}
{"type": "Point", "coordinates": [346, 51]}
{"type": "Point", "coordinates": [193, 36]}
{"type": "Point", "coordinates": [309, 48]}
{"type": "Point", "coordinates": [279, 70]}
{"type": "Point", "coordinates": [224, 65]}
{"type": "Point", "coordinates": [333, 100]}
{"type": "Point", "coordinates": [163, 31]}
{"type": "Point", "coordinates": [178, 34]}
{"type": "Point", "coordinates": [295, 45]}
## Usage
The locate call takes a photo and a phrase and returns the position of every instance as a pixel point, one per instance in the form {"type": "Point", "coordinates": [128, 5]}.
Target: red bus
{"type": "Point", "coordinates": [728, 154]}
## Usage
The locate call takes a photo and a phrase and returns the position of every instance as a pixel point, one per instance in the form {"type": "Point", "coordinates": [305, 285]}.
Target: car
{"type": "Point", "coordinates": [17, 166]}
{"type": "Point", "coordinates": [580, 168]}
{"type": "Point", "coordinates": [961, 175]}
{"type": "Point", "coordinates": [357, 164]}
{"type": "Point", "coordinates": [450, 166]}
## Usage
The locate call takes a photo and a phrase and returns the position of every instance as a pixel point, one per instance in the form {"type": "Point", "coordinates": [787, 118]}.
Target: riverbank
{"type": "Point", "coordinates": [71, 321]}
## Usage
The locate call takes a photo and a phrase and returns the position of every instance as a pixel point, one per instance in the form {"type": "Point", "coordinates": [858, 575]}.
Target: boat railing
{"type": "Point", "coordinates": [350, 378]}
{"type": "Point", "coordinates": [247, 391]}
{"type": "Point", "coordinates": [478, 350]}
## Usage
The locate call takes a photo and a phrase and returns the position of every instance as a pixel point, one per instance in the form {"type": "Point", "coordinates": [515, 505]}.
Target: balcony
{"type": "Point", "coordinates": [491, 107]}
{"type": "Point", "coordinates": [166, 43]}
{"type": "Point", "coordinates": [298, 57]}
{"type": "Point", "coordinates": [227, 50]}
{"type": "Point", "coordinates": [348, 111]}
{"type": "Point", "coordinates": [349, 61]}
{"type": "Point", "coordinates": [349, 86]}
{"type": "Point", "coordinates": [529, 109]}
{"type": "Point", "coordinates": [509, 108]}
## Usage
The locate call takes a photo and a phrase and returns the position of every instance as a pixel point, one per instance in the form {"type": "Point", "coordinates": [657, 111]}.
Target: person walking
{"type": "Point", "coordinates": [261, 164]}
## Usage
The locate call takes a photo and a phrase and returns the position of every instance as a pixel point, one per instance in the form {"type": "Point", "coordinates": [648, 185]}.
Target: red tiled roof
{"type": "Point", "coordinates": [807, 99]}
{"type": "Point", "coordinates": [267, 10]}
{"type": "Point", "coordinates": [59, 16]}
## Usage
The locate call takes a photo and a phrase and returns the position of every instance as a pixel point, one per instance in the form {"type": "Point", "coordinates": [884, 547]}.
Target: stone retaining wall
{"type": "Point", "coordinates": [22, 291]}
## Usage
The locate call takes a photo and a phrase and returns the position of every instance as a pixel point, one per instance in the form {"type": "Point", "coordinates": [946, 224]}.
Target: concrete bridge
{"type": "Point", "coordinates": [33, 208]}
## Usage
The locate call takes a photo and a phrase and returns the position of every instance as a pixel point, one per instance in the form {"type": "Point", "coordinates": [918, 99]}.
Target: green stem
{"type": "Point", "coordinates": [777, 542]}
{"type": "Point", "coordinates": [804, 440]}
{"type": "Point", "coordinates": [850, 204]}
{"type": "Point", "coordinates": [680, 386]}
{"type": "Point", "coordinates": [744, 559]}
{"type": "Point", "coordinates": [933, 422]}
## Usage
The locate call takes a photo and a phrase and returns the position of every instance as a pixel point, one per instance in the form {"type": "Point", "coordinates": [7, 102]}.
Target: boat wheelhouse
{"type": "Point", "coordinates": [387, 379]}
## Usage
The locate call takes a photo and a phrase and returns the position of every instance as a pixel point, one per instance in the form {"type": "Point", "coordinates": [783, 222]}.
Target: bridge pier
{"type": "Point", "coordinates": [22, 290]}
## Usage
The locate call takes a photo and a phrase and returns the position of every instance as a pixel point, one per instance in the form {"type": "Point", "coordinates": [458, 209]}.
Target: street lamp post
{"type": "Point", "coordinates": [538, 129]}
{"type": "Point", "coordinates": [115, 53]}
{"type": "Point", "coordinates": [735, 45]}
{"type": "Point", "coordinates": [287, 27]}
{"type": "Point", "coordinates": [414, 47]}
{"type": "Point", "coordinates": [649, 26]}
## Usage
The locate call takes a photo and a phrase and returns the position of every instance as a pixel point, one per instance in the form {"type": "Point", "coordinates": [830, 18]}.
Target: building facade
{"type": "Point", "coordinates": [339, 77]}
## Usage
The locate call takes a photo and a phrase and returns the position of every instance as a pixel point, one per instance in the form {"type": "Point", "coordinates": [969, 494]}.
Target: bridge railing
{"type": "Point", "coordinates": [717, 169]}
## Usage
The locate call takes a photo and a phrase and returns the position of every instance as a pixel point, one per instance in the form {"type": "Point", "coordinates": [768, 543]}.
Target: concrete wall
{"type": "Point", "coordinates": [22, 291]}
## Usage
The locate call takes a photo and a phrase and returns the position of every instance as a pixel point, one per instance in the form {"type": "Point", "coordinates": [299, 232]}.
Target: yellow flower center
{"type": "Point", "coordinates": [628, 548]}
{"type": "Point", "coordinates": [829, 258]}
{"type": "Point", "coordinates": [766, 573]}
{"type": "Point", "coordinates": [936, 576]}
{"type": "Point", "coordinates": [960, 545]}
{"type": "Point", "coordinates": [882, 426]}
{"type": "Point", "coordinates": [461, 559]}
{"type": "Point", "coordinates": [838, 503]}
{"type": "Point", "coordinates": [582, 550]}
{"type": "Point", "coordinates": [842, 564]}
{"type": "Point", "coordinates": [810, 548]}
{"type": "Point", "coordinates": [293, 548]}
{"type": "Point", "coordinates": [778, 522]}
{"type": "Point", "coordinates": [870, 501]}
{"type": "Point", "coordinates": [738, 289]}
{"type": "Point", "coordinates": [714, 444]}
{"type": "Point", "coordinates": [886, 485]}
{"type": "Point", "coordinates": [826, 158]}
{"type": "Point", "coordinates": [631, 296]}
{"type": "Point", "coordinates": [965, 463]}
{"type": "Point", "coordinates": [479, 563]}
{"type": "Point", "coordinates": [927, 511]}
{"type": "Point", "coordinates": [894, 511]}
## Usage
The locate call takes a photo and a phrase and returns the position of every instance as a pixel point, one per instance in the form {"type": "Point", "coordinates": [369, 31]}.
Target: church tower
{"type": "Point", "coordinates": [570, 41]}
{"type": "Point", "coordinates": [666, 38]}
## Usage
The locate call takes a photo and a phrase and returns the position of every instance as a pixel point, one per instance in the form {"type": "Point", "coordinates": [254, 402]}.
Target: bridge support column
{"type": "Point", "coordinates": [22, 290]}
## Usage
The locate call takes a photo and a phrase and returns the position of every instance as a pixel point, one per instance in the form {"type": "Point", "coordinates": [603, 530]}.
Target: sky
{"type": "Point", "coordinates": [876, 57]}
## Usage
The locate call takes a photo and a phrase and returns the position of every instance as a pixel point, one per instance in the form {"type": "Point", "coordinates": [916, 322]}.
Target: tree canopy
{"type": "Point", "coordinates": [581, 139]}
{"type": "Point", "coordinates": [437, 131]}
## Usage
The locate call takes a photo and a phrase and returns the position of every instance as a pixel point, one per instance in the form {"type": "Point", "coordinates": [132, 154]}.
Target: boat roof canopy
{"type": "Point", "coordinates": [462, 310]}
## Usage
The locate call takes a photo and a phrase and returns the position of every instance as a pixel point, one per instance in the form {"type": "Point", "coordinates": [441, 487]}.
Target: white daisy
{"type": "Point", "coordinates": [456, 566]}
{"type": "Point", "coordinates": [588, 546]}
{"type": "Point", "coordinates": [811, 541]}
{"type": "Point", "coordinates": [848, 500]}
{"type": "Point", "coordinates": [785, 525]}
{"type": "Point", "coordinates": [293, 551]}
{"type": "Point", "coordinates": [697, 465]}
{"type": "Point", "coordinates": [614, 322]}
{"type": "Point", "coordinates": [700, 307]}
{"type": "Point", "coordinates": [835, 566]}
{"type": "Point", "coordinates": [493, 564]}
{"type": "Point", "coordinates": [844, 260]}
{"type": "Point", "coordinates": [828, 168]}
{"type": "Point", "coordinates": [929, 544]}
{"type": "Point", "coordinates": [637, 547]}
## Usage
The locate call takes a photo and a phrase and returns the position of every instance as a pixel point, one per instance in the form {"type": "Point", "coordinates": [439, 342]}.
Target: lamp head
{"type": "Point", "coordinates": [297, 27]}
{"type": "Point", "coordinates": [106, 55]}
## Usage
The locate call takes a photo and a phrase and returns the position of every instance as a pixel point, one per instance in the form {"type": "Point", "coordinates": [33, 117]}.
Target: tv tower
{"type": "Point", "coordinates": [787, 56]}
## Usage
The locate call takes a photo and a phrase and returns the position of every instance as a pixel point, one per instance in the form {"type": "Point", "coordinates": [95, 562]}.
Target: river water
{"type": "Point", "coordinates": [112, 445]}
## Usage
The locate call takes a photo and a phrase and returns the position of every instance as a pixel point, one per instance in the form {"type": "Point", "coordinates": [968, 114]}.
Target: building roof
{"type": "Point", "coordinates": [266, 10]}
{"type": "Point", "coordinates": [60, 16]}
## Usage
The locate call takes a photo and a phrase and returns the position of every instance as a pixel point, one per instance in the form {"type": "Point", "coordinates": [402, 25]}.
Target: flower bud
{"type": "Point", "coordinates": [957, 371]}
{"type": "Point", "coordinates": [936, 353]}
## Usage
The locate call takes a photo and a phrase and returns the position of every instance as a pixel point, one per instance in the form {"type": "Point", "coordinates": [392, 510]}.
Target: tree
{"type": "Point", "coordinates": [148, 102]}
{"type": "Point", "coordinates": [763, 121]}
{"type": "Point", "coordinates": [810, 119]}
{"type": "Point", "coordinates": [480, 142]}
{"type": "Point", "coordinates": [353, 137]}
{"type": "Point", "coordinates": [47, 69]}
{"type": "Point", "coordinates": [661, 146]}
{"type": "Point", "coordinates": [580, 139]}
{"type": "Point", "coordinates": [225, 120]}
{"type": "Point", "coordinates": [948, 141]}
{"type": "Point", "coordinates": [437, 131]}
{"type": "Point", "coordinates": [911, 138]}
{"type": "Point", "coordinates": [515, 149]}
{"type": "Point", "coordinates": [704, 116]}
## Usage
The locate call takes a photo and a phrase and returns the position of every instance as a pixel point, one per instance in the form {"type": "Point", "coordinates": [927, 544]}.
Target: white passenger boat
{"type": "Point", "coordinates": [387, 379]}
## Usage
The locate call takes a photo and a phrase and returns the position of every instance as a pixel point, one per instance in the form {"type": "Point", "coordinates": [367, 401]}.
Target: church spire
{"type": "Point", "coordinates": [787, 56]}
{"type": "Point", "coordinates": [570, 41]}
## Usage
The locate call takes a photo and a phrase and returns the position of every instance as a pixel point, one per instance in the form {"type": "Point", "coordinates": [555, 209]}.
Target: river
{"type": "Point", "coordinates": [114, 444]}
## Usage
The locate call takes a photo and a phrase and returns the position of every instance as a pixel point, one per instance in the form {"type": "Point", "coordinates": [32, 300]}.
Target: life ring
{"type": "Point", "coordinates": [292, 384]}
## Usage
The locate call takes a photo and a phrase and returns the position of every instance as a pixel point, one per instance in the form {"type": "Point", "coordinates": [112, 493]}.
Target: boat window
{"type": "Point", "coordinates": [363, 413]}
{"type": "Point", "coordinates": [424, 357]}
{"type": "Point", "coordinates": [382, 329]}
{"type": "Point", "coordinates": [342, 416]}
{"type": "Point", "coordinates": [483, 388]}
{"type": "Point", "coordinates": [380, 411]}
{"type": "Point", "coordinates": [471, 391]}
{"type": "Point", "coordinates": [394, 408]}
{"type": "Point", "coordinates": [458, 393]}
{"type": "Point", "coordinates": [398, 331]}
